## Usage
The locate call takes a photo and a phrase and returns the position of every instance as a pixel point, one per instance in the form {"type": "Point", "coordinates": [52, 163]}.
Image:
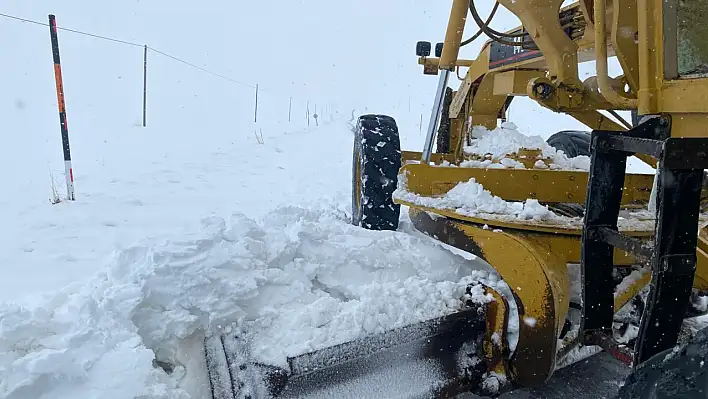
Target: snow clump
{"type": "Point", "coordinates": [471, 199]}
{"type": "Point", "coordinates": [505, 140]}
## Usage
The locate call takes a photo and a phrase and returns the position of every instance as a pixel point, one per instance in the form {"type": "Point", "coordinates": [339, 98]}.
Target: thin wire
{"type": "Point", "coordinates": [136, 45]}
{"type": "Point", "coordinates": [200, 68]}
{"type": "Point", "coordinates": [101, 37]}
{"type": "Point", "coordinates": [73, 31]}
{"type": "Point", "coordinates": [23, 20]}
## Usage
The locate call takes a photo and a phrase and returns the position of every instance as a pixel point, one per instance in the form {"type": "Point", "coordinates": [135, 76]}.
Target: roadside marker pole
{"type": "Point", "coordinates": [68, 170]}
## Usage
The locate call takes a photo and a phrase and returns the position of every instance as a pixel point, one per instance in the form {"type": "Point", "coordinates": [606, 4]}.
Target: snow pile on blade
{"type": "Point", "coordinates": [298, 280]}
{"type": "Point", "coordinates": [506, 140]}
{"type": "Point", "coordinates": [471, 199]}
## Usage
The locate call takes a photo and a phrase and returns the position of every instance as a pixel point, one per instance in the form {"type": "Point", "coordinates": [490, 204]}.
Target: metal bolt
{"type": "Point", "coordinates": [543, 90]}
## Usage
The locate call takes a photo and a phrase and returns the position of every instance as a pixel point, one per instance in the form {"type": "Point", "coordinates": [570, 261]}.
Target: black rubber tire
{"type": "Point", "coordinates": [443, 136]}
{"type": "Point", "coordinates": [375, 166]}
{"type": "Point", "coordinates": [683, 374]}
{"type": "Point", "coordinates": [572, 143]}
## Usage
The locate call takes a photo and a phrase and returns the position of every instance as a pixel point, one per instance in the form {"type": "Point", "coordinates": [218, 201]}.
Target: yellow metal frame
{"type": "Point", "coordinates": [521, 262]}
{"type": "Point", "coordinates": [530, 256]}
{"type": "Point", "coordinates": [496, 350]}
{"type": "Point", "coordinates": [520, 184]}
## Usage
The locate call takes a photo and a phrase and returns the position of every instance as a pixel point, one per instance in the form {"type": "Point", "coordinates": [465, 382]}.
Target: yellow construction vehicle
{"type": "Point", "coordinates": [635, 237]}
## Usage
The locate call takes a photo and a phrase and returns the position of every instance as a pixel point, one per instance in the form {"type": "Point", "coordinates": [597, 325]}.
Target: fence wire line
{"type": "Point", "coordinates": [138, 45]}
{"type": "Point", "coordinates": [200, 68]}
{"type": "Point", "coordinates": [73, 31]}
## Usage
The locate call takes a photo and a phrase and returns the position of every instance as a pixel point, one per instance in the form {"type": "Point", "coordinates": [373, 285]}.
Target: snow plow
{"type": "Point", "coordinates": [594, 258]}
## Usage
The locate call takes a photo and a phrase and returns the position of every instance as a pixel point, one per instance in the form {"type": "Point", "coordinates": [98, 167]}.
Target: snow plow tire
{"type": "Point", "coordinates": [376, 161]}
{"type": "Point", "coordinates": [573, 144]}
{"type": "Point", "coordinates": [678, 372]}
{"type": "Point", "coordinates": [443, 142]}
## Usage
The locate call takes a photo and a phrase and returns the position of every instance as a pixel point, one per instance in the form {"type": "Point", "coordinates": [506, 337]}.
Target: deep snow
{"type": "Point", "coordinates": [298, 279]}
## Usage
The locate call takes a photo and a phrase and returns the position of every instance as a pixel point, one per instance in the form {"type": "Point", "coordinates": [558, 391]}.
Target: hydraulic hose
{"type": "Point", "coordinates": [493, 34]}
{"type": "Point", "coordinates": [486, 23]}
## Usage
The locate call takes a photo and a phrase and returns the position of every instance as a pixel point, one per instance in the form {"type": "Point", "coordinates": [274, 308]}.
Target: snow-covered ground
{"type": "Point", "coordinates": [300, 278]}
{"type": "Point", "coordinates": [207, 230]}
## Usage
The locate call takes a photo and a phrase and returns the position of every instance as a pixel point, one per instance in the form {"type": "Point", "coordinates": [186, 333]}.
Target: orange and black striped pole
{"type": "Point", "coordinates": [69, 171]}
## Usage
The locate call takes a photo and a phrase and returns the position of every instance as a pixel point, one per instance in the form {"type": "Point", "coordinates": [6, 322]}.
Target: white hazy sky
{"type": "Point", "coordinates": [357, 54]}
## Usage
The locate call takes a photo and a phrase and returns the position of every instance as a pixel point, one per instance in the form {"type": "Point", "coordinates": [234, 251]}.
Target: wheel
{"type": "Point", "coordinates": [573, 144]}
{"type": "Point", "coordinates": [443, 142]}
{"type": "Point", "coordinates": [679, 372]}
{"type": "Point", "coordinates": [376, 161]}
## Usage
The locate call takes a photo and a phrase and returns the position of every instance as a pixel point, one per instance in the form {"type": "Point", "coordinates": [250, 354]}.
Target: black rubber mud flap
{"type": "Point", "coordinates": [674, 373]}
{"type": "Point", "coordinates": [376, 162]}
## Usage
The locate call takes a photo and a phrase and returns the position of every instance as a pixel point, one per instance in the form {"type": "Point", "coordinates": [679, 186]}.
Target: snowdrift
{"type": "Point", "coordinates": [298, 279]}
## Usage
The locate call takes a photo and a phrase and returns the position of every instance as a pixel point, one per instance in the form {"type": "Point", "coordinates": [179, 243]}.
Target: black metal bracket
{"type": "Point", "coordinates": [673, 255]}
{"type": "Point", "coordinates": [621, 241]}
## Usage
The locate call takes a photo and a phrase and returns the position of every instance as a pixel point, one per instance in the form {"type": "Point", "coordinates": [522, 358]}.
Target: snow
{"type": "Point", "coordinates": [530, 321]}
{"type": "Point", "coordinates": [627, 282]}
{"type": "Point", "coordinates": [465, 361]}
{"type": "Point", "coordinates": [400, 380]}
{"type": "Point", "coordinates": [501, 143]}
{"type": "Point", "coordinates": [472, 199]}
{"type": "Point", "coordinates": [298, 279]}
{"type": "Point", "coordinates": [496, 339]}
{"type": "Point", "coordinates": [493, 381]}
{"type": "Point", "coordinates": [155, 295]}
{"type": "Point", "coordinates": [578, 354]}
{"type": "Point", "coordinates": [701, 303]}
{"type": "Point", "coordinates": [631, 333]}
